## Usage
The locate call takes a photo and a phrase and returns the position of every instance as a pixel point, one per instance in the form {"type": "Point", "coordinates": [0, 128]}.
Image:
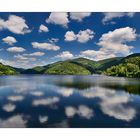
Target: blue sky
{"type": "Point", "coordinates": [31, 39]}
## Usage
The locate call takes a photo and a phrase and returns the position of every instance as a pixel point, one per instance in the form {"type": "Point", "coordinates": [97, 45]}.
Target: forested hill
{"type": "Point", "coordinates": [127, 67]}
{"type": "Point", "coordinates": [7, 70]}
{"type": "Point", "coordinates": [120, 66]}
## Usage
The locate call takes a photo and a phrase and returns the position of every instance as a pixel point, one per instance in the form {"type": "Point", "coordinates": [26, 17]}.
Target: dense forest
{"type": "Point", "coordinates": [120, 66]}
{"type": "Point", "coordinates": [129, 67]}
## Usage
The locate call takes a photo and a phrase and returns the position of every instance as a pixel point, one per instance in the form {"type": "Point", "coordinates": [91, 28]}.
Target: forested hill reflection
{"type": "Point", "coordinates": [129, 85]}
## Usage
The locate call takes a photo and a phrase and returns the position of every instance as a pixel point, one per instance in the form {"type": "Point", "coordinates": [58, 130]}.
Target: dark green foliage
{"type": "Point", "coordinates": [128, 67]}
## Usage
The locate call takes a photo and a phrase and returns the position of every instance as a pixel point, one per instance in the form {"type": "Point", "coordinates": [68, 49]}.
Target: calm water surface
{"type": "Point", "coordinates": [69, 101]}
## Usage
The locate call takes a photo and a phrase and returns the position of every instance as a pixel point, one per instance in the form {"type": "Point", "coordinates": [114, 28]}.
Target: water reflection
{"type": "Point", "coordinates": [43, 119]}
{"type": "Point", "coordinates": [15, 98]}
{"type": "Point", "coordinates": [9, 107]}
{"type": "Point", "coordinates": [69, 101]}
{"type": "Point", "coordinates": [82, 111]}
{"type": "Point", "coordinates": [113, 103]}
{"type": "Point", "coordinates": [14, 121]}
{"type": "Point", "coordinates": [45, 102]}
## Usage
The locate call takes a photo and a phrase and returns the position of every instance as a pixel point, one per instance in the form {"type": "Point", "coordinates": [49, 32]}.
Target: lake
{"type": "Point", "coordinates": [69, 101]}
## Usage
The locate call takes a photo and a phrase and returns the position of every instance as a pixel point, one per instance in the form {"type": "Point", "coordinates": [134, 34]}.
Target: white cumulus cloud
{"type": "Point", "coordinates": [70, 36]}
{"type": "Point", "coordinates": [9, 40]}
{"type": "Point", "coordinates": [65, 55]}
{"type": "Point", "coordinates": [45, 46]}
{"type": "Point", "coordinates": [15, 24]}
{"type": "Point", "coordinates": [82, 36]}
{"type": "Point", "coordinates": [79, 16]}
{"type": "Point", "coordinates": [116, 40]}
{"type": "Point", "coordinates": [113, 44]}
{"type": "Point", "coordinates": [43, 28]}
{"type": "Point", "coordinates": [58, 18]}
{"type": "Point", "coordinates": [35, 54]}
{"type": "Point", "coordinates": [108, 16]}
{"type": "Point", "coordinates": [16, 49]}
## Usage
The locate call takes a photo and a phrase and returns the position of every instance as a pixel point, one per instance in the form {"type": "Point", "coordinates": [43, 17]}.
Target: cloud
{"type": "Point", "coordinates": [82, 36]}
{"type": "Point", "coordinates": [65, 55]}
{"type": "Point", "coordinates": [115, 41]}
{"type": "Point", "coordinates": [112, 103]}
{"type": "Point", "coordinates": [37, 93]}
{"type": "Point", "coordinates": [70, 36]}
{"type": "Point", "coordinates": [45, 46]}
{"type": "Point", "coordinates": [9, 107]}
{"type": "Point", "coordinates": [43, 28]}
{"type": "Point", "coordinates": [43, 119]}
{"type": "Point", "coordinates": [35, 54]}
{"type": "Point", "coordinates": [83, 111]}
{"type": "Point", "coordinates": [113, 44]}
{"type": "Point", "coordinates": [15, 98]}
{"type": "Point", "coordinates": [15, 24]}
{"type": "Point", "coordinates": [16, 121]}
{"type": "Point", "coordinates": [16, 49]}
{"type": "Point", "coordinates": [58, 18]}
{"type": "Point", "coordinates": [108, 16]}
{"type": "Point", "coordinates": [9, 40]}
{"type": "Point", "coordinates": [21, 58]}
{"type": "Point", "coordinates": [48, 101]}
{"type": "Point", "coordinates": [96, 55]}
{"type": "Point", "coordinates": [79, 16]}
{"type": "Point", "coordinates": [21, 62]}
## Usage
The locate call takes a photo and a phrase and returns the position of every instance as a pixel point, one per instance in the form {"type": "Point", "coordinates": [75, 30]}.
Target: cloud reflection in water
{"type": "Point", "coordinates": [47, 101]}
{"type": "Point", "coordinates": [14, 121]}
{"type": "Point", "coordinates": [15, 98]}
{"type": "Point", "coordinates": [9, 107]}
{"type": "Point", "coordinates": [112, 103]}
{"type": "Point", "coordinates": [83, 111]}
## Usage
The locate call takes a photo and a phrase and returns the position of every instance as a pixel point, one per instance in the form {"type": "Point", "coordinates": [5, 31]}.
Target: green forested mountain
{"type": "Point", "coordinates": [66, 67]}
{"type": "Point", "coordinates": [126, 67]}
{"type": "Point", "coordinates": [7, 70]}
{"type": "Point", "coordinates": [97, 66]}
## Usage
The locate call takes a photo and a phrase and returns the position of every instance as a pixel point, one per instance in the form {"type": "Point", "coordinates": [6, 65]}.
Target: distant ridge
{"type": "Point", "coordinates": [128, 66]}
